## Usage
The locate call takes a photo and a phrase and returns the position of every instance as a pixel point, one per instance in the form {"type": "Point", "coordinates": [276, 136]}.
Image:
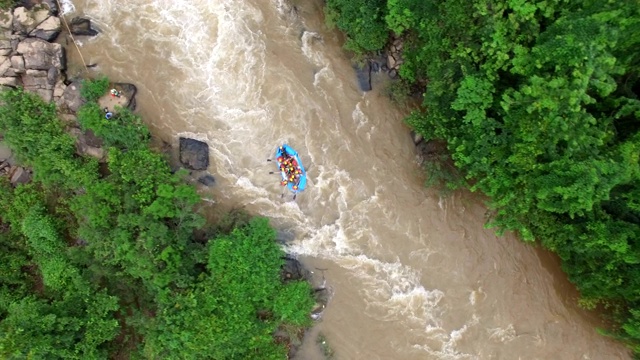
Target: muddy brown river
{"type": "Point", "coordinates": [413, 275]}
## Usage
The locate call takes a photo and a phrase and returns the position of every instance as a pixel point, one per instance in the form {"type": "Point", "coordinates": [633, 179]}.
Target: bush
{"type": "Point", "coordinates": [92, 90]}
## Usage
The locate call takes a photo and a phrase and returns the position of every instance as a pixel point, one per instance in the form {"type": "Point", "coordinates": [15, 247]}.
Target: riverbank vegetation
{"type": "Point", "coordinates": [538, 104]}
{"type": "Point", "coordinates": [100, 260]}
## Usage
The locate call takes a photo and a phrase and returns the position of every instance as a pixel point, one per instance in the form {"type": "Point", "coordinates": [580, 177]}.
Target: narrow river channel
{"type": "Point", "coordinates": [413, 275]}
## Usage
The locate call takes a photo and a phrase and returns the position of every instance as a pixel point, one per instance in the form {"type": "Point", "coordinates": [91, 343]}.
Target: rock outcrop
{"type": "Point", "coordinates": [194, 154]}
{"type": "Point", "coordinates": [71, 100]}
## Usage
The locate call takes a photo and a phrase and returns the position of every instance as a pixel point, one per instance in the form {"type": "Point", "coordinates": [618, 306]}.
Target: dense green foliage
{"type": "Point", "coordinates": [92, 90]}
{"type": "Point", "coordinates": [538, 104]}
{"type": "Point", "coordinates": [100, 261]}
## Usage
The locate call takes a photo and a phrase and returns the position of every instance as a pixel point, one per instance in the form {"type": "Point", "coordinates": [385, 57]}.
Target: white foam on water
{"type": "Point", "coordinates": [67, 7]}
{"type": "Point", "coordinates": [503, 335]}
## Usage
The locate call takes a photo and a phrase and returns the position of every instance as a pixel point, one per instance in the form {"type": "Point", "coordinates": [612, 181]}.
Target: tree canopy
{"type": "Point", "coordinates": [538, 104]}
{"type": "Point", "coordinates": [103, 261]}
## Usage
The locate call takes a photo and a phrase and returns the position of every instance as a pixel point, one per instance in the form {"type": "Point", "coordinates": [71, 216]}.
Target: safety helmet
{"type": "Point", "coordinates": [283, 182]}
{"type": "Point", "coordinates": [280, 158]}
{"type": "Point", "coordinates": [295, 187]}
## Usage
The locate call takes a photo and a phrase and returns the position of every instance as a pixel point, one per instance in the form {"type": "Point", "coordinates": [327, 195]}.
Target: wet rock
{"type": "Point", "coordinates": [194, 154]}
{"type": "Point", "coordinates": [292, 270]}
{"type": "Point", "coordinates": [363, 72]}
{"type": "Point", "coordinates": [71, 98]}
{"type": "Point", "coordinates": [20, 175]}
{"type": "Point", "coordinates": [82, 27]}
{"type": "Point", "coordinates": [207, 180]}
{"type": "Point", "coordinates": [41, 55]}
{"type": "Point", "coordinates": [47, 30]}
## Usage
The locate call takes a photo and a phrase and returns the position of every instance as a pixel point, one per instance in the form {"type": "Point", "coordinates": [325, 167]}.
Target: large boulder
{"type": "Point", "coordinates": [41, 55]}
{"type": "Point", "coordinates": [82, 27]}
{"type": "Point", "coordinates": [88, 144]}
{"type": "Point", "coordinates": [25, 20]}
{"type": "Point", "coordinates": [207, 180]}
{"type": "Point", "coordinates": [47, 30]}
{"type": "Point", "coordinates": [41, 82]}
{"type": "Point", "coordinates": [194, 154]}
{"type": "Point", "coordinates": [71, 98]}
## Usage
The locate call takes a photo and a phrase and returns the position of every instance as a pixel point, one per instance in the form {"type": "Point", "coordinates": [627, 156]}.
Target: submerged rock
{"type": "Point", "coordinates": [363, 72]}
{"type": "Point", "coordinates": [292, 270]}
{"type": "Point", "coordinates": [194, 154]}
{"type": "Point", "coordinates": [207, 180]}
{"type": "Point", "coordinates": [82, 27]}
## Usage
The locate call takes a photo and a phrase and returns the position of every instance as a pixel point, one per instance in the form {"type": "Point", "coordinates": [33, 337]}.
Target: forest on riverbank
{"type": "Point", "coordinates": [537, 102]}
{"type": "Point", "coordinates": [113, 260]}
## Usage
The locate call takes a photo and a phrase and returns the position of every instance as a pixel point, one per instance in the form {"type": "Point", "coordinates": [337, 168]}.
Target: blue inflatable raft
{"type": "Point", "coordinates": [290, 166]}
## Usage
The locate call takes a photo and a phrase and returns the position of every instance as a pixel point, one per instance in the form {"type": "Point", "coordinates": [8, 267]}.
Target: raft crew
{"type": "Point", "coordinates": [289, 166]}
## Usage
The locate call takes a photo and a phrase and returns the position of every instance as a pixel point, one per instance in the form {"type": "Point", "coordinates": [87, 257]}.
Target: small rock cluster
{"type": "Point", "coordinates": [389, 64]}
{"type": "Point", "coordinates": [394, 57]}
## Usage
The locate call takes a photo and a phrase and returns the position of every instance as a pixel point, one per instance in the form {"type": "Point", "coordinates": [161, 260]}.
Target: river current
{"type": "Point", "coordinates": [413, 275]}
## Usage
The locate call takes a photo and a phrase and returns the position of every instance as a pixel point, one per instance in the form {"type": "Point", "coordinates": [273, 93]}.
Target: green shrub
{"type": "Point", "coordinates": [92, 90]}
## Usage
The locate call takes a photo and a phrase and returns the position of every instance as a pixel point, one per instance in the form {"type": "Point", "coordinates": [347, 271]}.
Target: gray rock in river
{"type": "Point", "coordinates": [82, 27]}
{"type": "Point", "coordinates": [363, 72]}
{"type": "Point", "coordinates": [194, 154]}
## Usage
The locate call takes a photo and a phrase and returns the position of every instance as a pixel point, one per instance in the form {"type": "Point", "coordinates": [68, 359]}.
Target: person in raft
{"type": "Point", "coordinates": [289, 166]}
